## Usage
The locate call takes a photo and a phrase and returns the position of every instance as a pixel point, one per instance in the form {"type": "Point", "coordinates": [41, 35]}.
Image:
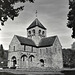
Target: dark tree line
{"type": "Point", "coordinates": [7, 9]}
{"type": "Point", "coordinates": [1, 51]}
{"type": "Point", "coordinates": [3, 57]}
{"type": "Point", "coordinates": [71, 17]}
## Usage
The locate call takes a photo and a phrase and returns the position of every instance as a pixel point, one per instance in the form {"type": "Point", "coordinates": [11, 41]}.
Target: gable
{"type": "Point", "coordinates": [44, 42]}
{"type": "Point", "coordinates": [14, 41]}
{"type": "Point", "coordinates": [57, 42]}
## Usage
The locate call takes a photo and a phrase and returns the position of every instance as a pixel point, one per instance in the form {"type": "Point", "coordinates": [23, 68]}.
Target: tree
{"type": "Point", "coordinates": [71, 17]}
{"type": "Point", "coordinates": [7, 9]}
{"type": "Point", "coordinates": [68, 58]}
{"type": "Point", "coordinates": [1, 51]}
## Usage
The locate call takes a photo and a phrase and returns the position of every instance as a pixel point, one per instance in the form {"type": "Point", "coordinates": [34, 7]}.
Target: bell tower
{"type": "Point", "coordinates": [36, 31]}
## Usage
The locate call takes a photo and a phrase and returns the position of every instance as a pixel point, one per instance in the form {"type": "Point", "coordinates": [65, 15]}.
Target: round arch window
{"type": "Point", "coordinates": [29, 32]}
{"type": "Point", "coordinates": [33, 31]}
{"type": "Point", "coordinates": [39, 32]}
{"type": "Point", "coordinates": [43, 32]}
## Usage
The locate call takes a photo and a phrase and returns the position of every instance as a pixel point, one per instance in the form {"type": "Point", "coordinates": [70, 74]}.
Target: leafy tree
{"type": "Point", "coordinates": [7, 9]}
{"type": "Point", "coordinates": [68, 58]}
{"type": "Point", "coordinates": [71, 17]}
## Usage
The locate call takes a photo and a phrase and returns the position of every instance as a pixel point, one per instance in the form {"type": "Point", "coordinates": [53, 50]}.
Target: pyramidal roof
{"type": "Point", "coordinates": [35, 23]}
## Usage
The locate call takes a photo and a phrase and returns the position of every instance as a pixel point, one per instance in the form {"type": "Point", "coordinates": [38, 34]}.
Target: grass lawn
{"type": "Point", "coordinates": [22, 72]}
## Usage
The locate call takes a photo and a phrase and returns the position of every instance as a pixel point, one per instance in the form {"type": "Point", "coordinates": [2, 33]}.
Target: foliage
{"type": "Point", "coordinates": [3, 56]}
{"type": "Point", "coordinates": [68, 58]}
{"type": "Point", "coordinates": [7, 9]}
{"type": "Point", "coordinates": [71, 17]}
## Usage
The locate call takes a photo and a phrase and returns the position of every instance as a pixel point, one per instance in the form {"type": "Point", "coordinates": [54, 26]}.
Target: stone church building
{"type": "Point", "coordinates": [35, 50]}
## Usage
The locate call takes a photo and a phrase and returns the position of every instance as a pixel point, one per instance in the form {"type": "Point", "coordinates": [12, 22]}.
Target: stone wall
{"type": "Point", "coordinates": [12, 54]}
{"type": "Point", "coordinates": [51, 56]}
{"type": "Point", "coordinates": [57, 58]}
{"type": "Point", "coordinates": [15, 43]}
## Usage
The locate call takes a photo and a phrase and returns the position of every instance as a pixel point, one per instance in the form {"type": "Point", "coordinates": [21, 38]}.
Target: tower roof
{"type": "Point", "coordinates": [35, 23]}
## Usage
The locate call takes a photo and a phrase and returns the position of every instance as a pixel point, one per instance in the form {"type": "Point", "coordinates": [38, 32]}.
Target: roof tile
{"type": "Point", "coordinates": [45, 42]}
{"type": "Point", "coordinates": [25, 41]}
{"type": "Point", "coordinates": [48, 41]}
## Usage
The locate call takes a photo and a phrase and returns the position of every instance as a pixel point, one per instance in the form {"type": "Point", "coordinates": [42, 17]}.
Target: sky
{"type": "Point", "coordinates": [51, 13]}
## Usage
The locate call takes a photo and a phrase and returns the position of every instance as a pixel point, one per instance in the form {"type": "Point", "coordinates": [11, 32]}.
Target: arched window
{"type": "Point", "coordinates": [14, 48]}
{"type": "Point", "coordinates": [33, 31]}
{"type": "Point", "coordinates": [43, 33]}
{"type": "Point", "coordinates": [23, 57]}
{"type": "Point", "coordinates": [39, 32]}
{"type": "Point", "coordinates": [31, 57]}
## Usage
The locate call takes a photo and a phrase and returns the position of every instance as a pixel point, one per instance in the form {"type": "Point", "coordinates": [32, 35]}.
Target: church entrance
{"type": "Point", "coordinates": [14, 61]}
{"type": "Point", "coordinates": [42, 62]}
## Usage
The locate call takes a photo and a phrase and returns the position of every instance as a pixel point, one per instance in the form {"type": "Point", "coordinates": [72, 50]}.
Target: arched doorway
{"type": "Point", "coordinates": [23, 57]}
{"type": "Point", "coordinates": [24, 61]}
{"type": "Point", "coordinates": [31, 57]}
{"type": "Point", "coordinates": [14, 61]}
{"type": "Point", "coordinates": [42, 62]}
{"type": "Point", "coordinates": [31, 61]}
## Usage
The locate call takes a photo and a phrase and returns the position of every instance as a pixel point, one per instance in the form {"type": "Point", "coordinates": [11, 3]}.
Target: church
{"type": "Point", "coordinates": [35, 50]}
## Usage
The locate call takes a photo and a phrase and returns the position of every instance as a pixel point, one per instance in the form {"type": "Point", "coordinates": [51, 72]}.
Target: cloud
{"type": "Point", "coordinates": [51, 13]}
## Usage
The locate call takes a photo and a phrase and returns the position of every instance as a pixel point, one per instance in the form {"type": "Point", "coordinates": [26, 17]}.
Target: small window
{"type": "Point", "coordinates": [31, 49]}
{"type": "Point", "coordinates": [33, 32]}
{"type": "Point", "coordinates": [40, 51]}
{"type": "Point", "coordinates": [24, 47]}
{"type": "Point", "coordinates": [14, 48]}
{"type": "Point", "coordinates": [46, 50]}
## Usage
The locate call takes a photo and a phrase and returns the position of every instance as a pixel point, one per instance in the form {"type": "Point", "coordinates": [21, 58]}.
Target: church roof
{"type": "Point", "coordinates": [35, 23]}
{"type": "Point", "coordinates": [25, 41]}
{"type": "Point", "coordinates": [45, 42]}
{"type": "Point", "coordinates": [48, 41]}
